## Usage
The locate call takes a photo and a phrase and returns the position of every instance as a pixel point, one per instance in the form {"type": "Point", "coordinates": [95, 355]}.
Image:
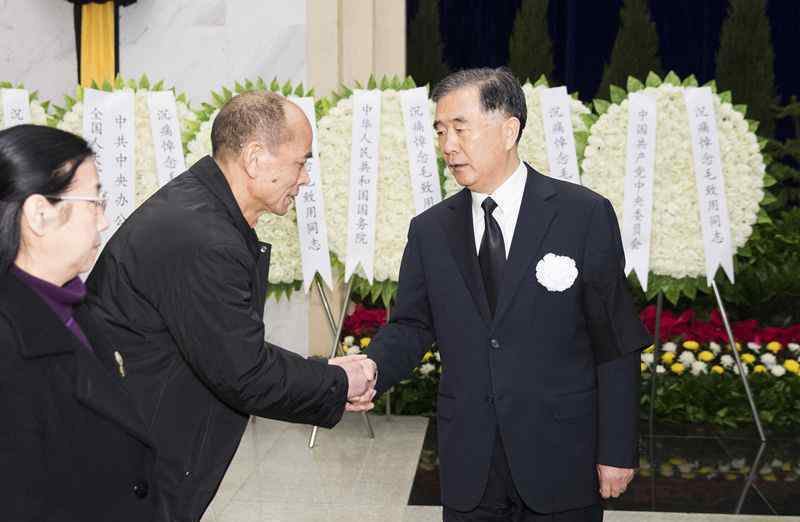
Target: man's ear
{"type": "Point", "coordinates": [38, 214]}
{"type": "Point", "coordinates": [249, 158]}
{"type": "Point", "coordinates": [510, 132]}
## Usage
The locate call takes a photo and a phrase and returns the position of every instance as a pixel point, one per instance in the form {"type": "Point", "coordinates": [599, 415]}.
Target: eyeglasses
{"type": "Point", "coordinates": [100, 202]}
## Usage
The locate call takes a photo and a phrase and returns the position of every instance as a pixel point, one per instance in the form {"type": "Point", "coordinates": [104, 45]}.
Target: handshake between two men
{"type": "Point", "coordinates": [362, 374]}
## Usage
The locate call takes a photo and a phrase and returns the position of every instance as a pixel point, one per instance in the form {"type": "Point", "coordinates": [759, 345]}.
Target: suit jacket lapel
{"type": "Point", "coordinates": [535, 215]}
{"type": "Point", "coordinates": [461, 237]}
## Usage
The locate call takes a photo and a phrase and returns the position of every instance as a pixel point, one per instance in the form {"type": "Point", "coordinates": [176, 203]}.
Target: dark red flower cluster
{"type": "Point", "coordinates": [686, 326]}
{"type": "Point", "coordinates": [364, 321]}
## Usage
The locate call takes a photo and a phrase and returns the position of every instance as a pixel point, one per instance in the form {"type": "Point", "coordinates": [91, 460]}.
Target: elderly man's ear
{"type": "Point", "coordinates": [510, 132]}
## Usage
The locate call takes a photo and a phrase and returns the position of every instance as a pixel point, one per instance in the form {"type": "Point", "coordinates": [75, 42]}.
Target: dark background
{"type": "Point", "coordinates": [475, 33]}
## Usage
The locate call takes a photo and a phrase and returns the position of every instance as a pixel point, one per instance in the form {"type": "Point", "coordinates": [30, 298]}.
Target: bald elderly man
{"type": "Point", "coordinates": [183, 285]}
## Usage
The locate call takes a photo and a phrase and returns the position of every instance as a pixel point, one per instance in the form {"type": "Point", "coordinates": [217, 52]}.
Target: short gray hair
{"type": "Point", "coordinates": [499, 91]}
{"type": "Point", "coordinates": [255, 115]}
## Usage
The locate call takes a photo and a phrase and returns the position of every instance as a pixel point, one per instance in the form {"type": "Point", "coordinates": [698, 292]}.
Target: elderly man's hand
{"type": "Point", "coordinates": [362, 374]}
{"type": "Point", "coordinates": [613, 481]}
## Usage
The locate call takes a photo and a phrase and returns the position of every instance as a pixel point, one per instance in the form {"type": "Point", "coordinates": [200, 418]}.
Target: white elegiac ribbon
{"type": "Point", "coordinates": [364, 170]}
{"type": "Point", "coordinates": [109, 127]}
{"type": "Point", "coordinates": [16, 107]}
{"type": "Point", "coordinates": [637, 211]}
{"type": "Point", "coordinates": [423, 168]}
{"type": "Point", "coordinates": [312, 229]}
{"type": "Point", "coordinates": [166, 135]}
{"type": "Point", "coordinates": [557, 119]}
{"type": "Point", "coordinates": [710, 182]}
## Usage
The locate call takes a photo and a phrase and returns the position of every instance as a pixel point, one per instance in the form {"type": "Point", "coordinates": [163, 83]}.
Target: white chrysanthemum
{"type": "Point", "coordinates": [677, 241]}
{"type": "Point", "coordinates": [793, 347]}
{"type": "Point", "coordinates": [533, 147]}
{"type": "Point", "coordinates": [754, 346]}
{"type": "Point", "coordinates": [687, 358]}
{"type": "Point", "coordinates": [699, 367]}
{"type": "Point", "coordinates": [714, 347]}
{"type": "Point", "coordinates": [727, 361]}
{"type": "Point", "coordinates": [395, 201]}
{"type": "Point", "coordinates": [146, 175]}
{"type": "Point", "coordinates": [285, 266]}
{"type": "Point", "coordinates": [647, 358]}
{"type": "Point", "coordinates": [669, 347]}
{"type": "Point", "coordinates": [777, 370]}
{"type": "Point", "coordinates": [38, 114]}
{"type": "Point", "coordinates": [768, 360]}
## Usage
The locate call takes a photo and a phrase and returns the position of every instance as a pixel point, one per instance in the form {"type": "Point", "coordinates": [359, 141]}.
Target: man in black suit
{"type": "Point", "coordinates": [519, 280]}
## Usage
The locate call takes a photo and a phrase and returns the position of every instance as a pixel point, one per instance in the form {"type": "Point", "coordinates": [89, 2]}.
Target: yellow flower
{"type": "Point", "coordinates": [668, 357]}
{"type": "Point", "coordinates": [706, 356]}
{"type": "Point", "coordinates": [730, 476]}
{"type": "Point", "coordinates": [792, 365]}
{"type": "Point", "coordinates": [717, 369]}
{"type": "Point", "coordinates": [749, 358]}
{"type": "Point", "coordinates": [677, 368]}
{"type": "Point", "coordinates": [691, 345]}
{"type": "Point", "coordinates": [364, 342]}
{"type": "Point", "coordinates": [774, 347]}
{"type": "Point", "coordinates": [705, 470]}
{"type": "Point", "coordinates": [644, 367]}
{"type": "Point", "coordinates": [760, 368]}
{"type": "Point", "coordinates": [770, 478]}
{"type": "Point", "coordinates": [427, 357]}
{"type": "Point", "coordinates": [677, 461]}
{"type": "Point", "coordinates": [650, 348]}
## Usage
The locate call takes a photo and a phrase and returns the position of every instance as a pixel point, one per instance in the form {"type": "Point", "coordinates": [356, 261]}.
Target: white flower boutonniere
{"type": "Point", "coordinates": [556, 273]}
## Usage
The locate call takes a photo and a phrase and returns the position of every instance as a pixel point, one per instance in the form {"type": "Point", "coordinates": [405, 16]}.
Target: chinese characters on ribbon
{"type": "Point", "coordinates": [710, 182]}
{"type": "Point", "coordinates": [16, 107]}
{"type": "Point", "coordinates": [166, 135]}
{"type": "Point", "coordinates": [310, 205]}
{"type": "Point", "coordinates": [556, 116]}
{"type": "Point", "coordinates": [638, 204]}
{"type": "Point", "coordinates": [109, 127]}
{"type": "Point", "coordinates": [364, 169]}
{"type": "Point", "coordinates": [421, 152]}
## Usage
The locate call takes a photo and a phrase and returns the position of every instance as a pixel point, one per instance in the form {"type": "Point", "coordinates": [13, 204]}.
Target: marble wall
{"type": "Point", "coordinates": [37, 46]}
{"type": "Point", "coordinates": [199, 45]}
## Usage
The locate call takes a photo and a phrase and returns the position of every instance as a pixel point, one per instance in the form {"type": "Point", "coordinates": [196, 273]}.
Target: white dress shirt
{"type": "Point", "coordinates": [508, 197]}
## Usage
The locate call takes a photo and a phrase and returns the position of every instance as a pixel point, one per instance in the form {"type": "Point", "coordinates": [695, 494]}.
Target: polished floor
{"type": "Point", "coordinates": [687, 470]}
{"type": "Point", "coordinates": [393, 478]}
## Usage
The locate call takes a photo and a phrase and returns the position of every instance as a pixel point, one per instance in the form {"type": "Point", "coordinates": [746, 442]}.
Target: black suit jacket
{"type": "Point", "coordinates": [557, 372]}
{"type": "Point", "coordinates": [72, 445]}
{"type": "Point", "coordinates": [183, 284]}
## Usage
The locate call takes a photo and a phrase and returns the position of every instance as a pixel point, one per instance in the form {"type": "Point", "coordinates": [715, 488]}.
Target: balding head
{"type": "Point", "coordinates": [260, 116]}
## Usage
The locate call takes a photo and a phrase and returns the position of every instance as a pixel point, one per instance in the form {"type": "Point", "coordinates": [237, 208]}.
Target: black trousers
{"type": "Point", "coordinates": [501, 501]}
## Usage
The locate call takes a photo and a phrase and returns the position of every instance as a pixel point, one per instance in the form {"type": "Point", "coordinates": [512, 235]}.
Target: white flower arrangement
{"type": "Point", "coordinates": [70, 119]}
{"type": "Point", "coordinates": [669, 347]}
{"type": "Point", "coordinates": [38, 109]}
{"type": "Point", "coordinates": [285, 269]}
{"type": "Point", "coordinates": [768, 360]}
{"type": "Point", "coordinates": [676, 244]}
{"type": "Point", "coordinates": [395, 202]}
{"type": "Point", "coordinates": [532, 146]}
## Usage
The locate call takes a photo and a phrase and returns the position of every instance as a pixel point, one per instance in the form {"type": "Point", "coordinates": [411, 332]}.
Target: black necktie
{"type": "Point", "coordinates": [492, 255]}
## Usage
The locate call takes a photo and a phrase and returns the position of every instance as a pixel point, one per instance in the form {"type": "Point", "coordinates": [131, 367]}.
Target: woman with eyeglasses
{"type": "Point", "coordinates": [72, 444]}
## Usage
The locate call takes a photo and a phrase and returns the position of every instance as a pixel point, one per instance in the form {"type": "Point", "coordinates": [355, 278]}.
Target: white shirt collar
{"type": "Point", "coordinates": [508, 196]}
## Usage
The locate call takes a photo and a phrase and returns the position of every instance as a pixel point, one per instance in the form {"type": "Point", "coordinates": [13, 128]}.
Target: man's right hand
{"type": "Point", "coordinates": [361, 377]}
